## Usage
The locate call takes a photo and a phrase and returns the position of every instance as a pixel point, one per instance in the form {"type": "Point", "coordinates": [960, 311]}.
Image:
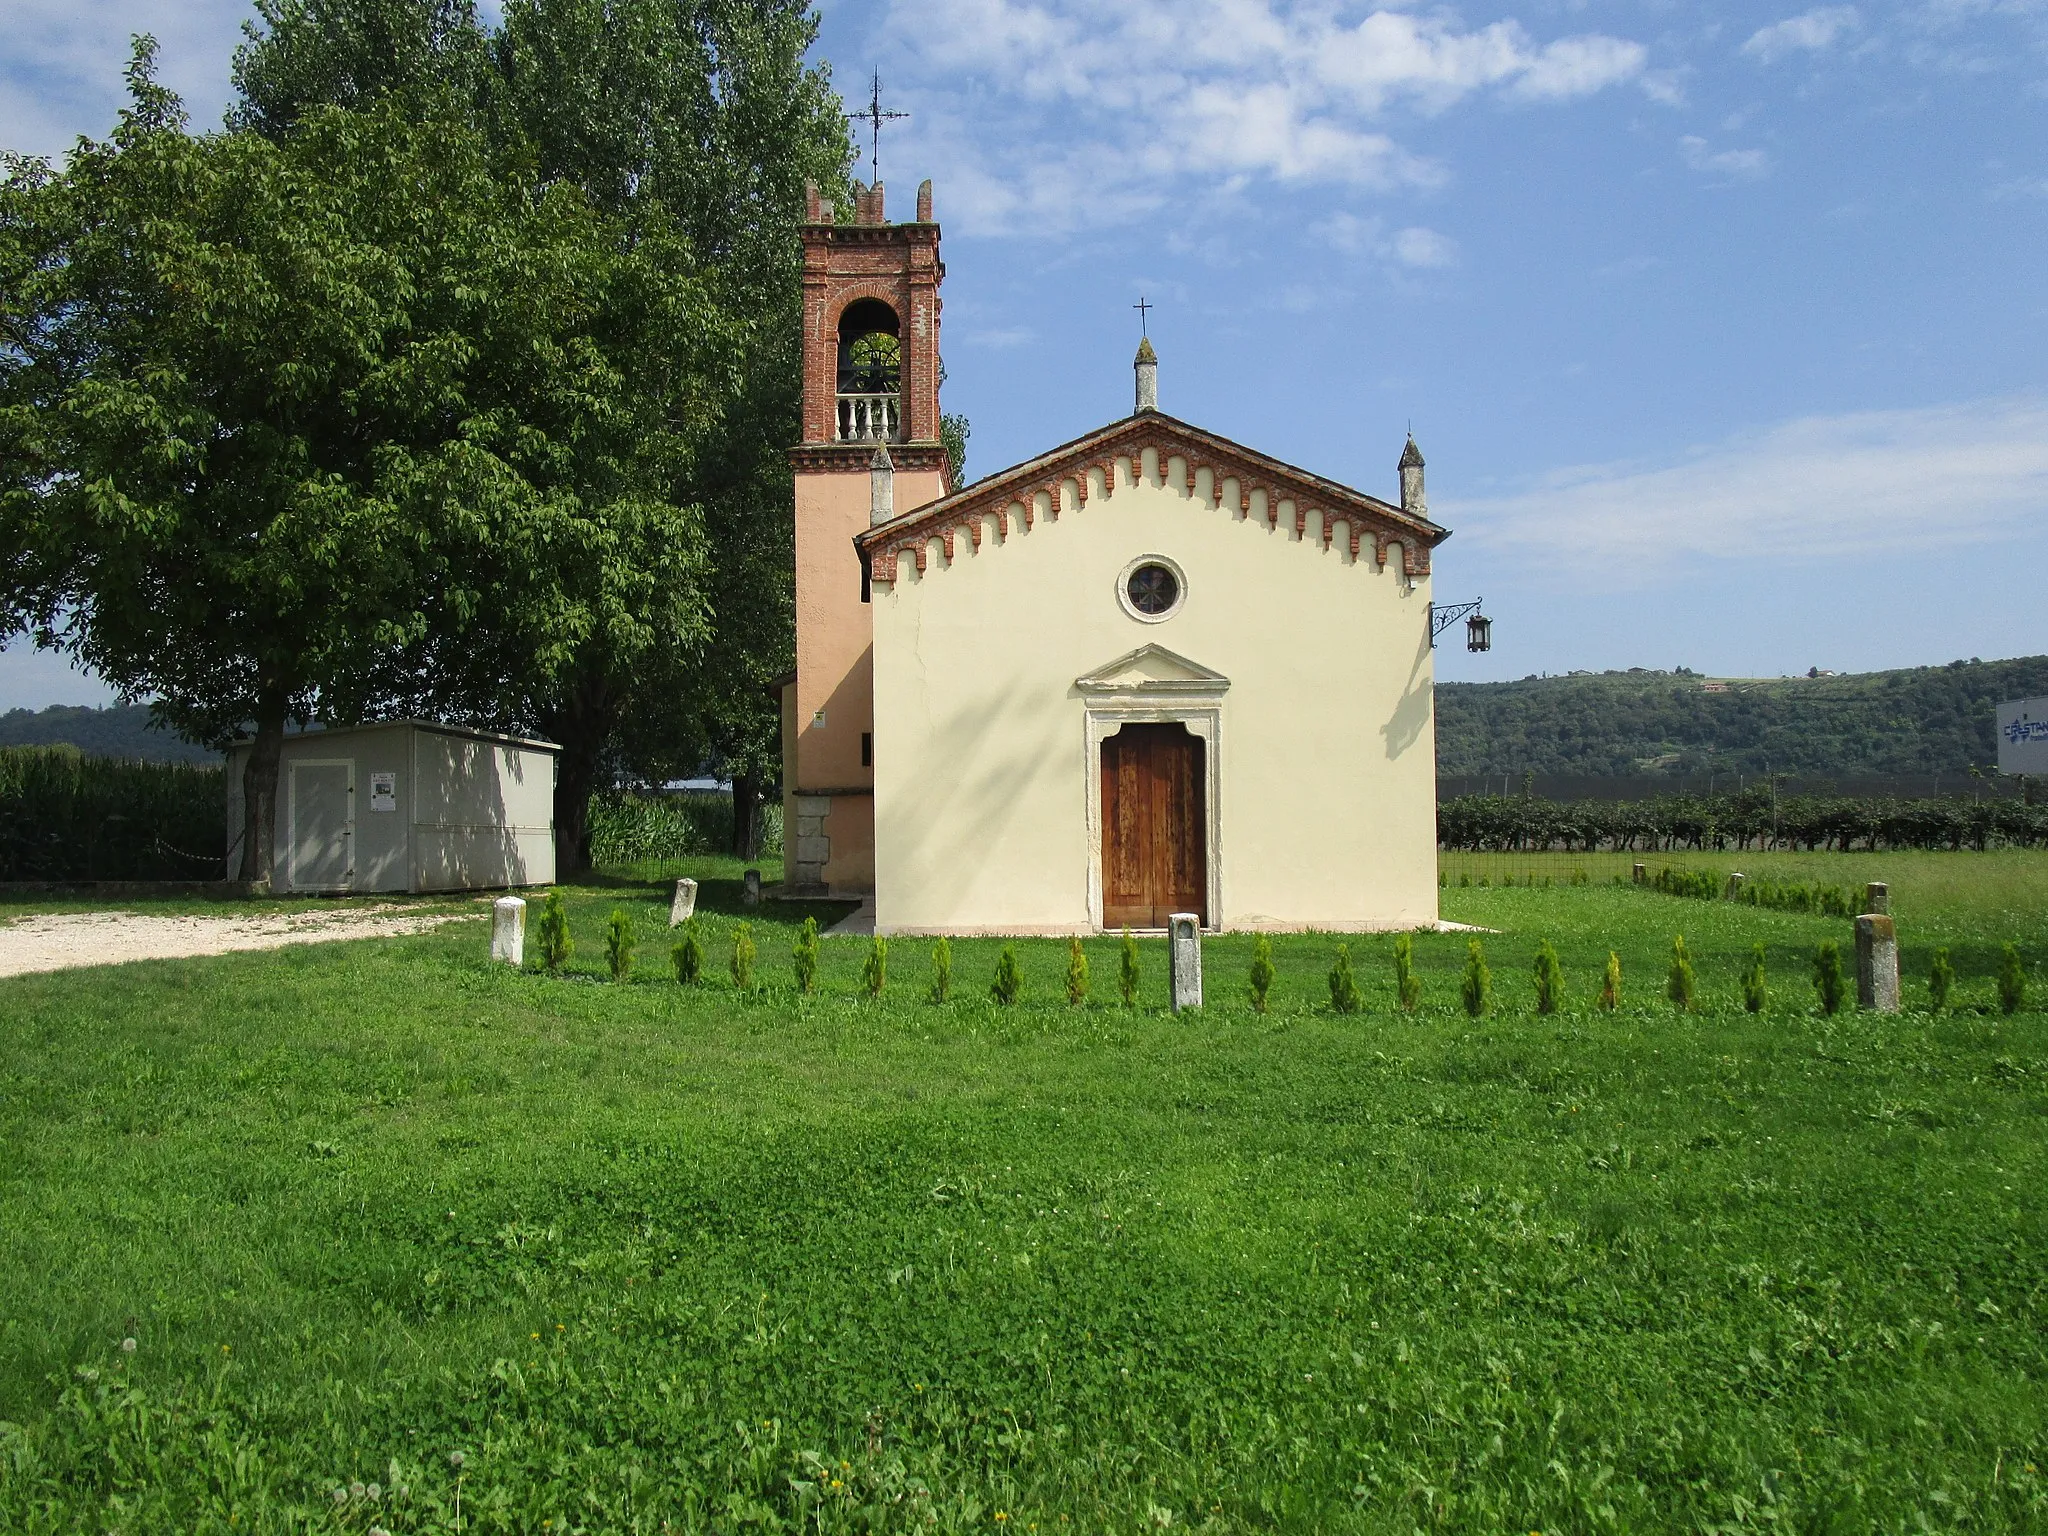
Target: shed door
{"type": "Point", "coordinates": [1154, 851]}
{"type": "Point", "coordinates": [323, 826]}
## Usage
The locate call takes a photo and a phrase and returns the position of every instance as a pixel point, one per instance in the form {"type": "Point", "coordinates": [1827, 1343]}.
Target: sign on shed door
{"type": "Point", "coordinates": [323, 826]}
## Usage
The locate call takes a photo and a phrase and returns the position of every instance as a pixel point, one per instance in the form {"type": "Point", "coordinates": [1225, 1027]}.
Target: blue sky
{"type": "Point", "coordinates": [1722, 326]}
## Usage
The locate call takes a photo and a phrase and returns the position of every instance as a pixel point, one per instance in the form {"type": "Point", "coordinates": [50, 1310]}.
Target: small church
{"type": "Point", "coordinates": [1150, 671]}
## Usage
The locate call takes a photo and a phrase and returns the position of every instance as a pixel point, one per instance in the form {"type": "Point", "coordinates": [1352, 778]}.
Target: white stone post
{"type": "Point", "coordinates": [1642, 874]}
{"type": "Point", "coordinates": [1877, 963]}
{"type": "Point", "coordinates": [750, 888]}
{"type": "Point", "coordinates": [1184, 933]}
{"type": "Point", "coordinates": [683, 903]}
{"type": "Point", "coordinates": [508, 931]}
{"type": "Point", "coordinates": [1735, 885]}
{"type": "Point", "coordinates": [1877, 897]}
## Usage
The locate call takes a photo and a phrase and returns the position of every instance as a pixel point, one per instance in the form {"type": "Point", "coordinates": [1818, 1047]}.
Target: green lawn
{"type": "Point", "coordinates": [654, 1258]}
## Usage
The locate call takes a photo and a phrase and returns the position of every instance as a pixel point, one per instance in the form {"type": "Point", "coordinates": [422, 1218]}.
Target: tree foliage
{"type": "Point", "coordinates": [281, 414]}
{"type": "Point", "coordinates": [1917, 720]}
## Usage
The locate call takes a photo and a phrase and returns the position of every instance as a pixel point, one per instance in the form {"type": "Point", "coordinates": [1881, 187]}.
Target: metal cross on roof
{"type": "Point", "coordinates": [1143, 310]}
{"type": "Point", "coordinates": [874, 117]}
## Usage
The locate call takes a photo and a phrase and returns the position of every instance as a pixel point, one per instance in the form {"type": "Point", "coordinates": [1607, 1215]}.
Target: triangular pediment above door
{"type": "Point", "coordinates": [1152, 669]}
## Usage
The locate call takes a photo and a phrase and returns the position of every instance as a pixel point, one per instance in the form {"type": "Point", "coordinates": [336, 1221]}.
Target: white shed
{"type": "Point", "coordinates": [406, 805]}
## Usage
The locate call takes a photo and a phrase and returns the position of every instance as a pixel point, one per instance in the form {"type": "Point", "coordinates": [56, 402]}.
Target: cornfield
{"type": "Point", "coordinates": [66, 816]}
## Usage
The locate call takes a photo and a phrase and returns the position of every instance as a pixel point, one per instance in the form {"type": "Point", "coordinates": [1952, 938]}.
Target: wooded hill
{"type": "Point", "coordinates": [1920, 720]}
{"type": "Point", "coordinates": [120, 730]}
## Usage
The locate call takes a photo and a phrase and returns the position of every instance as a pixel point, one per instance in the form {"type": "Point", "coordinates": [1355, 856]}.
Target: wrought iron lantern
{"type": "Point", "coordinates": [1478, 627]}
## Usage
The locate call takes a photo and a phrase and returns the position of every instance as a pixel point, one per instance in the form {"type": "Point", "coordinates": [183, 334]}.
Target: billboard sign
{"type": "Point", "coordinates": [2023, 737]}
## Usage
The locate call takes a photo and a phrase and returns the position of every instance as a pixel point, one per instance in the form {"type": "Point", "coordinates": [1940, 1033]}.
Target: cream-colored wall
{"type": "Point", "coordinates": [1326, 781]}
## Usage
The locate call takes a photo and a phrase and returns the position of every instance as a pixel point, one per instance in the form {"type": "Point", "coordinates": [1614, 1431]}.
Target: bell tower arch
{"type": "Point", "coordinates": [870, 449]}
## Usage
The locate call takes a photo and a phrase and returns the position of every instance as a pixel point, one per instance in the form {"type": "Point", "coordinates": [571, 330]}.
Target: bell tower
{"type": "Point", "coordinates": [870, 450]}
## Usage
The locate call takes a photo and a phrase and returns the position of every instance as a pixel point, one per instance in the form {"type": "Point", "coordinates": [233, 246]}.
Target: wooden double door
{"type": "Point", "coordinates": [1155, 855]}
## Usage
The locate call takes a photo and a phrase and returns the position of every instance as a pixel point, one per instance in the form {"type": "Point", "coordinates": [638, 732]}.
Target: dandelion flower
{"type": "Point", "coordinates": [357, 1490]}
{"type": "Point", "coordinates": [341, 1495]}
{"type": "Point", "coordinates": [455, 1460]}
{"type": "Point", "coordinates": [127, 1346]}
{"type": "Point", "coordinates": [374, 1492]}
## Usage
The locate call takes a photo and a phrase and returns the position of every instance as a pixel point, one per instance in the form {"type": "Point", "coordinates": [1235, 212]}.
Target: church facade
{"type": "Point", "coordinates": [1149, 671]}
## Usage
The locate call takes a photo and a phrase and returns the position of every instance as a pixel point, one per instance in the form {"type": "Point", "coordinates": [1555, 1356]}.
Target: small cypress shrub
{"type": "Point", "coordinates": [619, 944]}
{"type": "Point", "coordinates": [743, 957]}
{"type": "Point", "coordinates": [1941, 980]}
{"type": "Point", "coordinates": [553, 932]}
{"type": "Point", "coordinates": [1610, 983]}
{"type": "Point", "coordinates": [688, 955]}
{"type": "Point", "coordinates": [1009, 983]}
{"type": "Point", "coordinates": [1407, 985]}
{"type": "Point", "coordinates": [2012, 979]}
{"type": "Point", "coordinates": [1077, 973]}
{"type": "Point", "coordinates": [1827, 976]}
{"type": "Point", "coordinates": [1549, 979]}
{"type": "Point", "coordinates": [1465, 881]}
{"type": "Point", "coordinates": [1754, 993]}
{"type": "Point", "coordinates": [803, 956]}
{"type": "Point", "coordinates": [1580, 877]}
{"type": "Point", "coordinates": [1343, 986]}
{"type": "Point", "coordinates": [1683, 984]}
{"type": "Point", "coordinates": [942, 971]}
{"type": "Point", "coordinates": [1127, 973]}
{"type": "Point", "coordinates": [1478, 987]}
{"type": "Point", "coordinates": [1262, 973]}
{"type": "Point", "coordinates": [875, 974]}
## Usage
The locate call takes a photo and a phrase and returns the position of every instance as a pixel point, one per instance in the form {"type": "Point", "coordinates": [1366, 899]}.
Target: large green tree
{"type": "Point", "coordinates": [298, 423]}
{"type": "Point", "coordinates": [701, 116]}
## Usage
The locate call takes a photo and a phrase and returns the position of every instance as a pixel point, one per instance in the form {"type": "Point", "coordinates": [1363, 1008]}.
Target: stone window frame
{"type": "Point", "coordinates": [1123, 588]}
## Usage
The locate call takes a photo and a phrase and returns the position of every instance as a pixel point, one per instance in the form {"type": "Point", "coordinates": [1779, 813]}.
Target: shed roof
{"type": "Point", "coordinates": [438, 727]}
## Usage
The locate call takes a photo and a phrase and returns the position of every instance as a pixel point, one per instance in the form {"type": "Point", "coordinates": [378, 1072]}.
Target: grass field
{"type": "Point", "coordinates": [553, 1254]}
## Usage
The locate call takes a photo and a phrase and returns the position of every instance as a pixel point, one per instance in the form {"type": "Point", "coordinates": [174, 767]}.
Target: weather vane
{"type": "Point", "coordinates": [1143, 310]}
{"type": "Point", "coordinates": [874, 117]}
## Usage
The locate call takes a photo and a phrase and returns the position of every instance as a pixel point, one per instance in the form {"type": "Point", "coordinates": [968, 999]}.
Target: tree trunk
{"type": "Point", "coordinates": [583, 726]}
{"type": "Point", "coordinates": [259, 794]}
{"type": "Point", "coordinates": [575, 779]}
{"type": "Point", "coordinates": [746, 816]}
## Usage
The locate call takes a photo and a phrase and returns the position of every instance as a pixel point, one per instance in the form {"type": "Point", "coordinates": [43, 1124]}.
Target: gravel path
{"type": "Point", "coordinates": [65, 940]}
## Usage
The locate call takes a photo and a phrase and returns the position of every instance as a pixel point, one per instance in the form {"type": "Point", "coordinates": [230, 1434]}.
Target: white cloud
{"type": "Point", "coordinates": [1150, 99]}
{"type": "Point", "coordinates": [1413, 247]}
{"type": "Point", "coordinates": [1725, 162]}
{"type": "Point", "coordinates": [1424, 248]}
{"type": "Point", "coordinates": [1812, 31]}
{"type": "Point", "coordinates": [1808, 492]}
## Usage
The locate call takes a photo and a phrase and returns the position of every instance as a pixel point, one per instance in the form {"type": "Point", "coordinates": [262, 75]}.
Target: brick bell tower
{"type": "Point", "coordinates": [871, 450]}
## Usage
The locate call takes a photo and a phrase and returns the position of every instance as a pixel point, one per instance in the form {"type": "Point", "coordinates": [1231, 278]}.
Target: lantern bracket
{"type": "Point", "coordinates": [1443, 615]}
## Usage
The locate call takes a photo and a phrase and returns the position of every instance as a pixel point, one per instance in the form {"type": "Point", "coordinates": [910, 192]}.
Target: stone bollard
{"type": "Point", "coordinates": [1877, 897]}
{"type": "Point", "coordinates": [683, 905]}
{"type": "Point", "coordinates": [508, 931]}
{"type": "Point", "coordinates": [750, 888]}
{"type": "Point", "coordinates": [1184, 934]}
{"type": "Point", "coordinates": [1642, 874]}
{"type": "Point", "coordinates": [1877, 963]}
